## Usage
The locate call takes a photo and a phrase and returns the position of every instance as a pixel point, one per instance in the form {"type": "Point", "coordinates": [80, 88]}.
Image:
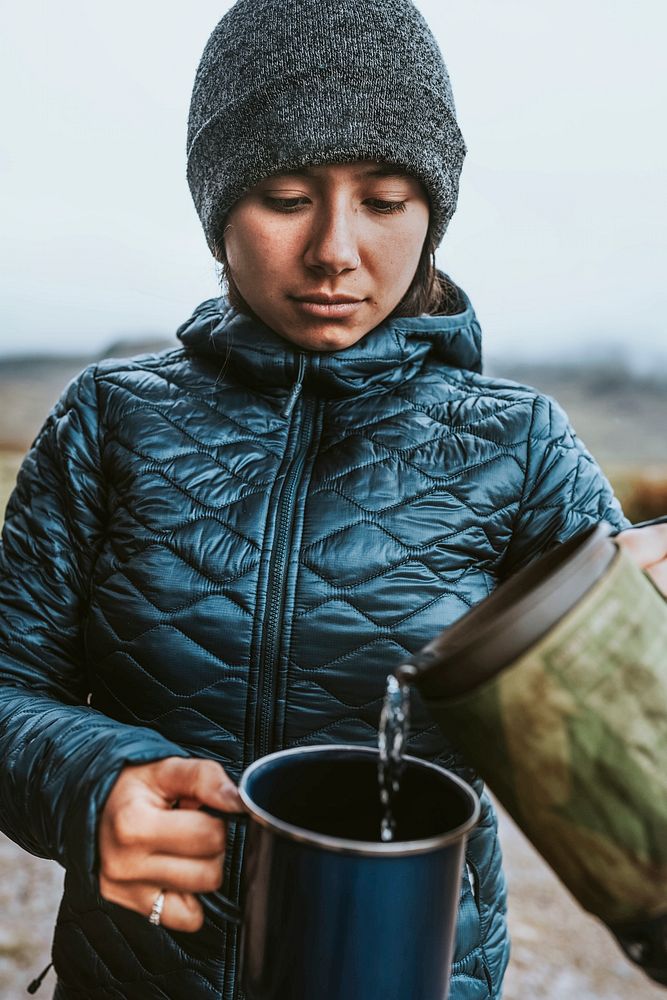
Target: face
{"type": "Point", "coordinates": [325, 254]}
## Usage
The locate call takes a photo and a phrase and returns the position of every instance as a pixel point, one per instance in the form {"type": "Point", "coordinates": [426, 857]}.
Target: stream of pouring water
{"type": "Point", "coordinates": [392, 737]}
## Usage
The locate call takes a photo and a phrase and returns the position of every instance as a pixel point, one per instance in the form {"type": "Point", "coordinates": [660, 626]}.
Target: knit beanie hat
{"type": "Point", "coordinates": [286, 83]}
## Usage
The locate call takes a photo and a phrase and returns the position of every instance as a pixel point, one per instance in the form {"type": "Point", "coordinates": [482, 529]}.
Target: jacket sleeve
{"type": "Point", "coordinates": [59, 757]}
{"type": "Point", "coordinates": [564, 491]}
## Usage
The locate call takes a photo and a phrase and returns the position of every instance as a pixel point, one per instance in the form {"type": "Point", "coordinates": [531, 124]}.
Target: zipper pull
{"type": "Point", "coordinates": [290, 402]}
{"type": "Point", "coordinates": [36, 983]}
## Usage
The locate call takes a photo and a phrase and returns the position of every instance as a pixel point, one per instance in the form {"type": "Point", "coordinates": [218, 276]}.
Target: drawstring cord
{"type": "Point", "coordinates": [36, 983]}
{"type": "Point", "coordinates": [290, 402]}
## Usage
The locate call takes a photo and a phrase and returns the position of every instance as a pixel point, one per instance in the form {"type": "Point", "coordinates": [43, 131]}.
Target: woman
{"type": "Point", "coordinates": [221, 550]}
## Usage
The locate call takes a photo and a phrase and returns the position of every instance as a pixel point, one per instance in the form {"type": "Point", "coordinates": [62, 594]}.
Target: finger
{"type": "Point", "coordinates": [186, 803]}
{"type": "Point", "coordinates": [658, 574]}
{"type": "Point", "coordinates": [205, 781]}
{"type": "Point", "coordinates": [172, 873]}
{"type": "Point", "coordinates": [186, 832]}
{"type": "Point", "coordinates": [646, 546]}
{"type": "Point", "coordinates": [181, 911]}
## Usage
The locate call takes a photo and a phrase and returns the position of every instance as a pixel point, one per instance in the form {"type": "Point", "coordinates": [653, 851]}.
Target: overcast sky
{"type": "Point", "coordinates": [559, 237]}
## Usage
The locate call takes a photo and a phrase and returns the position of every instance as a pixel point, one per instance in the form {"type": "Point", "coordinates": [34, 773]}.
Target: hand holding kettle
{"type": "Point", "coordinates": [647, 545]}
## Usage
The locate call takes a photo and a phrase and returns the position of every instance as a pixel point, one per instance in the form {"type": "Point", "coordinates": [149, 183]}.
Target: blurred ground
{"type": "Point", "coordinates": [558, 951]}
{"type": "Point", "coordinates": [29, 894]}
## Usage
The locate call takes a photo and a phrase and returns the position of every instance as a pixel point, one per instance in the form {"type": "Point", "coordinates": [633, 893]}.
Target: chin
{"type": "Point", "coordinates": [328, 338]}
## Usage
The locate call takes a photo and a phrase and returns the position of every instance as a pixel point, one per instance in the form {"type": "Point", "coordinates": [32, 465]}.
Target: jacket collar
{"type": "Point", "coordinates": [387, 356]}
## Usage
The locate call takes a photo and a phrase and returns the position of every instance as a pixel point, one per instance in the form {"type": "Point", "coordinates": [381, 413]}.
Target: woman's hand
{"type": "Point", "coordinates": [147, 847]}
{"type": "Point", "coordinates": [648, 547]}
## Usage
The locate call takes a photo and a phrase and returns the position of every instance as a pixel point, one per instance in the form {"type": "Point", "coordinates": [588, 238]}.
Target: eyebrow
{"type": "Point", "coordinates": [386, 170]}
{"type": "Point", "coordinates": [375, 170]}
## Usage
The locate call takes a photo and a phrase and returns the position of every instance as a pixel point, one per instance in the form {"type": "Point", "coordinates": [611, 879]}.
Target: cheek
{"type": "Point", "coordinates": [396, 260]}
{"type": "Point", "coordinates": [259, 256]}
{"type": "Point", "coordinates": [248, 260]}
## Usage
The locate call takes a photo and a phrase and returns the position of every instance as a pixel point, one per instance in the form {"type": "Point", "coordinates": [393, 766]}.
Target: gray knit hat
{"type": "Point", "coordinates": [285, 83]}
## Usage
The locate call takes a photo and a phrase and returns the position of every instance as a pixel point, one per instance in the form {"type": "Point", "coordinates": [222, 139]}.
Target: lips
{"type": "Point", "coordinates": [321, 298]}
{"type": "Point", "coordinates": [324, 306]}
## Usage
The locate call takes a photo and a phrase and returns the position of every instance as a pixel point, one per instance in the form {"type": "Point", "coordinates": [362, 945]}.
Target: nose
{"type": "Point", "coordinates": [333, 246]}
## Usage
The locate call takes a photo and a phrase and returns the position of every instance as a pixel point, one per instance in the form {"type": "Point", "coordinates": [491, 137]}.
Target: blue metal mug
{"type": "Point", "coordinates": [329, 911]}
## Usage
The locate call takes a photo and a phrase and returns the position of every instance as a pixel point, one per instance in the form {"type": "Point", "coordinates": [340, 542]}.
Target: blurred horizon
{"type": "Point", "coordinates": [618, 358]}
{"type": "Point", "coordinates": [560, 234]}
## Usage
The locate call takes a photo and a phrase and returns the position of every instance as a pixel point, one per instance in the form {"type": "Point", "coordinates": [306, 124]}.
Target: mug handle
{"type": "Point", "coordinates": [224, 907]}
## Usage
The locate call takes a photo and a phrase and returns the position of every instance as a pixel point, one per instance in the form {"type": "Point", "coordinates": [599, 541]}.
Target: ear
{"type": "Point", "coordinates": [218, 251]}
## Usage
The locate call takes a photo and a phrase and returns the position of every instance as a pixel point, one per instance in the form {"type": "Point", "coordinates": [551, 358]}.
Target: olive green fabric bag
{"type": "Point", "coordinates": [571, 733]}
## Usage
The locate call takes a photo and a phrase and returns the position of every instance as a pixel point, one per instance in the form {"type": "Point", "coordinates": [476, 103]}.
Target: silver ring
{"type": "Point", "coordinates": [156, 912]}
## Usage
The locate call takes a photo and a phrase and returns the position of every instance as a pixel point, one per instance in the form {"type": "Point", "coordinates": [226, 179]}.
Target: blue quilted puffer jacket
{"type": "Point", "coordinates": [222, 550]}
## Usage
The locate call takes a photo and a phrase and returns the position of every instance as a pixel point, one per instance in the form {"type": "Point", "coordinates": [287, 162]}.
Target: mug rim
{"type": "Point", "coordinates": [343, 845]}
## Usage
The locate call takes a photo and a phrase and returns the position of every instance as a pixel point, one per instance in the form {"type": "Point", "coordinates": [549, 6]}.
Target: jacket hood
{"type": "Point", "coordinates": [386, 356]}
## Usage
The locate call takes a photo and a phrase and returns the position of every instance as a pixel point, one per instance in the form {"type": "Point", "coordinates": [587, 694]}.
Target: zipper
{"type": "Point", "coordinates": [277, 573]}
{"type": "Point", "coordinates": [290, 402]}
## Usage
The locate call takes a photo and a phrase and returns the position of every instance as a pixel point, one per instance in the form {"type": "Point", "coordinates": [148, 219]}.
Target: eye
{"type": "Point", "coordinates": [286, 204]}
{"type": "Point", "coordinates": [386, 207]}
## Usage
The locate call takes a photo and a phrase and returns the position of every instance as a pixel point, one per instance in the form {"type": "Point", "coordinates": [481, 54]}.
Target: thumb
{"type": "Point", "coordinates": [203, 782]}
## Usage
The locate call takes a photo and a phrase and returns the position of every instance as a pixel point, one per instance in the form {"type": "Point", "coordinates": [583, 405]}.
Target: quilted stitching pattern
{"type": "Point", "coordinates": [151, 504]}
